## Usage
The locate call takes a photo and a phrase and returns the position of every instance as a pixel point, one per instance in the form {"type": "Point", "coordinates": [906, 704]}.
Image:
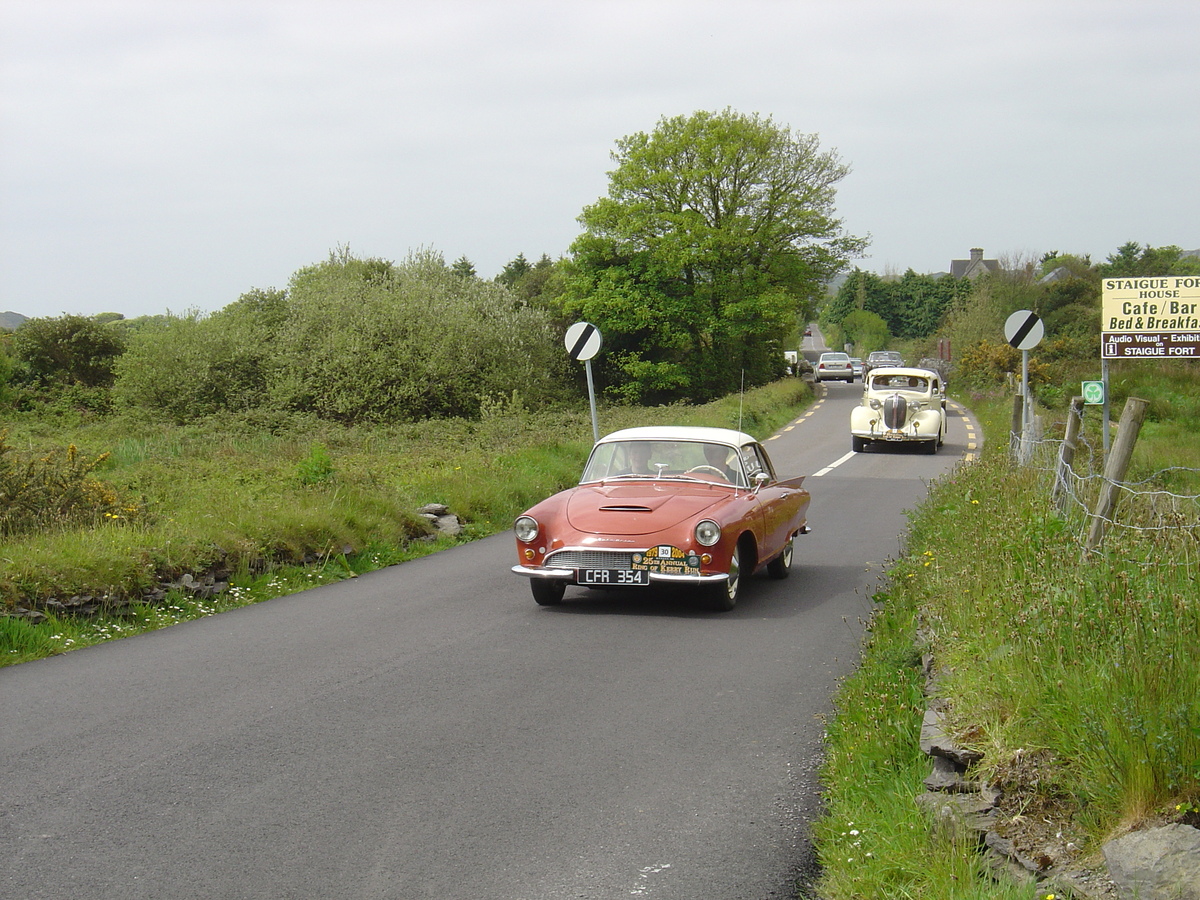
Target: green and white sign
{"type": "Point", "coordinates": [1093, 393]}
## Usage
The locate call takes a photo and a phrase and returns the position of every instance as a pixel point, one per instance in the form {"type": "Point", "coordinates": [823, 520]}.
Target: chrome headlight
{"type": "Point", "coordinates": [708, 533]}
{"type": "Point", "coordinates": [526, 528]}
{"type": "Point", "coordinates": [875, 403]}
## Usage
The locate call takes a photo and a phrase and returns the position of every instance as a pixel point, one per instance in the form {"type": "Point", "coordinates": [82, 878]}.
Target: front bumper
{"type": "Point", "coordinates": [571, 576]}
{"type": "Point", "coordinates": [900, 436]}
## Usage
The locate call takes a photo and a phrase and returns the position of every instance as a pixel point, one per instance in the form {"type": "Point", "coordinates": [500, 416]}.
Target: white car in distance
{"type": "Point", "coordinates": [835, 366]}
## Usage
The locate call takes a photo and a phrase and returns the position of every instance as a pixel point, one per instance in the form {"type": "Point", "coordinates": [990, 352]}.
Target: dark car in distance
{"type": "Point", "coordinates": [876, 358]}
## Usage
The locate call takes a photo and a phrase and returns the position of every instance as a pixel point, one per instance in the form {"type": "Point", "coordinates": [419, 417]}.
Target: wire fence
{"type": "Point", "coordinates": [1157, 507]}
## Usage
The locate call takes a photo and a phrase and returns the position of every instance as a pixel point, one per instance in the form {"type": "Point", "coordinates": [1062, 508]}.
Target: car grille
{"type": "Point", "coordinates": [590, 559]}
{"type": "Point", "coordinates": [895, 411]}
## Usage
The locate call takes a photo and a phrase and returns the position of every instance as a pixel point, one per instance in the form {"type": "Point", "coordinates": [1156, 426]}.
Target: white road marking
{"type": "Point", "coordinates": [834, 465]}
{"type": "Point", "coordinates": [643, 887]}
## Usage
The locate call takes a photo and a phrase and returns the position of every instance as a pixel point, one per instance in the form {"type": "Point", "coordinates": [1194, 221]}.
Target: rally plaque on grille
{"type": "Point", "coordinates": [667, 560]}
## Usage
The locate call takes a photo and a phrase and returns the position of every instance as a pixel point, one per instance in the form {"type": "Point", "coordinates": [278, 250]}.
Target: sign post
{"type": "Point", "coordinates": [583, 342]}
{"type": "Point", "coordinates": [1024, 330]}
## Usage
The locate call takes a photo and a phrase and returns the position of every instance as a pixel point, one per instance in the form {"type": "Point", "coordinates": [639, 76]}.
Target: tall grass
{"type": "Point", "coordinates": [1093, 658]}
{"type": "Point", "coordinates": [243, 496]}
{"type": "Point", "coordinates": [1087, 662]}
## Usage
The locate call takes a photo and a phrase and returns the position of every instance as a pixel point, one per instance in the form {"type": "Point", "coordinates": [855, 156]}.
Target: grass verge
{"type": "Point", "coordinates": [1076, 676]}
{"type": "Point", "coordinates": [273, 507]}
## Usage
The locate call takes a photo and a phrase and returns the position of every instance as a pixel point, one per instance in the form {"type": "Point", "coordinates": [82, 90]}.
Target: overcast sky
{"type": "Point", "coordinates": [172, 154]}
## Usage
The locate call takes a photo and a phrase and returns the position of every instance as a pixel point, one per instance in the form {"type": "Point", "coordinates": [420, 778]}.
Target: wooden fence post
{"type": "Point", "coordinates": [1066, 454]}
{"type": "Point", "coordinates": [1116, 467]}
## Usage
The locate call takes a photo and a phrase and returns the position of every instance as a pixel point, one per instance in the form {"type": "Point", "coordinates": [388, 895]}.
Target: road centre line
{"type": "Point", "coordinates": [798, 421]}
{"type": "Point", "coordinates": [833, 465]}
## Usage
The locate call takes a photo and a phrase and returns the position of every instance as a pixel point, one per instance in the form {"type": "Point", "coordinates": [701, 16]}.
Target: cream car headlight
{"type": "Point", "coordinates": [526, 528]}
{"type": "Point", "coordinates": [708, 533]}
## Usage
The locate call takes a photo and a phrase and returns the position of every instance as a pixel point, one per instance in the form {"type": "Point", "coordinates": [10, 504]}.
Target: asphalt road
{"type": "Point", "coordinates": [427, 731]}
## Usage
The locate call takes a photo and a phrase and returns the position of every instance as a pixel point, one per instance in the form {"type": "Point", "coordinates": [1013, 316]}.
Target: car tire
{"type": "Point", "coordinates": [779, 566]}
{"type": "Point", "coordinates": [858, 444]}
{"type": "Point", "coordinates": [931, 447]}
{"type": "Point", "coordinates": [724, 596]}
{"type": "Point", "coordinates": [547, 592]}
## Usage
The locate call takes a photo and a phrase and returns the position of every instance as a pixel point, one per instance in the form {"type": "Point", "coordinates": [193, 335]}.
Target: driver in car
{"type": "Point", "coordinates": [639, 458]}
{"type": "Point", "coordinates": [717, 456]}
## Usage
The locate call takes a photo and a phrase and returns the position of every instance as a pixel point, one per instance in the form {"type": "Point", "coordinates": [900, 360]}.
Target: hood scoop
{"type": "Point", "coordinates": [626, 508]}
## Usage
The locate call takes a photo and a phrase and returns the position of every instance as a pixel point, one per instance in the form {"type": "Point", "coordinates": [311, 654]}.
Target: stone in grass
{"type": "Point", "coordinates": [1156, 864]}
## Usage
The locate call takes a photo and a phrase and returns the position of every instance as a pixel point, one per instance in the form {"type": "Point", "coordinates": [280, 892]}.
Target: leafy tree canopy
{"type": "Point", "coordinates": [351, 340]}
{"type": "Point", "coordinates": [912, 306]}
{"type": "Point", "coordinates": [1133, 260]}
{"type": "Point", "coordinates": [717, 231]}
{"type": "Point", "coordinates": [69, 350]}
{"type": "Point", "coordinates": [866, 331]}
{"type": "Point", "coordinates": [464, 268]}
{"type": "Point", "coordinates": [513, 271]}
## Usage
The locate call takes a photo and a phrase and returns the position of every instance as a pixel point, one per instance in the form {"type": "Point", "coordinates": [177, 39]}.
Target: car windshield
{"type": "Point", "coordinates": [719, 463]}
{"type": "Point", "coordinates": [900, 382]}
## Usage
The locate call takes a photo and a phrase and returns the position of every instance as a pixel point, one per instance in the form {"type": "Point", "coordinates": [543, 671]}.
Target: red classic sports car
{"type": "Point", "coordinates": [698, 507]}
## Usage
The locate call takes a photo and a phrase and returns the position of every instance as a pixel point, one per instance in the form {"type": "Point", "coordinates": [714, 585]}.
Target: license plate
{"type": "Point", "coordinates": [893, 437]}
{"type": "Point", "coordinates": [613, 576]}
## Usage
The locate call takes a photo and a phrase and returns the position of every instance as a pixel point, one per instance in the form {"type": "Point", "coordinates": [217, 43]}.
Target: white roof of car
{"type": "Point", "coordinates": [880, 371]}
{"type": "Point", "coordinates": [680, 433]}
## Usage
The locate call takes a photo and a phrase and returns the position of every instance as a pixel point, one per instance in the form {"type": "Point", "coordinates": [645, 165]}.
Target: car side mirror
{"type": "Point", "coordinates": [760, 478]}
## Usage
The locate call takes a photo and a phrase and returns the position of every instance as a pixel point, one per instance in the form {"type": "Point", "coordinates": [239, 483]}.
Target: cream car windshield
{"type": "Point", "coordinates": [634, 460]}
{"type": "Point", "coordinates": [900, 383]}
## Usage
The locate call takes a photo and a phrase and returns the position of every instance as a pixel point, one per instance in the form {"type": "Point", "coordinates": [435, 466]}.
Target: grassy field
{"type": "Point", "coordinates": [274, 507]}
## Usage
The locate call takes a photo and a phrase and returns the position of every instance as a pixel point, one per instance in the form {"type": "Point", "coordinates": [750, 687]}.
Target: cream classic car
{"type": "Point", "coordinates": [900, 405]}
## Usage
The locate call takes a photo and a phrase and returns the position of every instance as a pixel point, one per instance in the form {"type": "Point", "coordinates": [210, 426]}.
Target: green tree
{"type": "Point", "coordinates": [6, 371]}
{"type": "Point", "coordinates": [542, 285]}
{"type": "Point", "coordinates": [373, 341]}
{"type": "Point", "coordinates": [69, 350]}
{"type": "Point", "coordinates": [1071, 308]}
{"type": "Point", "coordinates": [866, 331]}
{"type": "Point", "coordinates": [351, 340]}
{"type": "Point", "coordinates": [1132, 260]}
{"type": "Point", "coordinates": [463, 268]}
{"type": "Point", "coordinates": [1076, 266]}
{"type": "Point", "coordinates": [716, 231]}
{"type": "Point", "coordinates": [192, 366]}
{"type": "Point", "coordinates": [911, 307]}
{"type": "Point", "coordinates": [514, 271]}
